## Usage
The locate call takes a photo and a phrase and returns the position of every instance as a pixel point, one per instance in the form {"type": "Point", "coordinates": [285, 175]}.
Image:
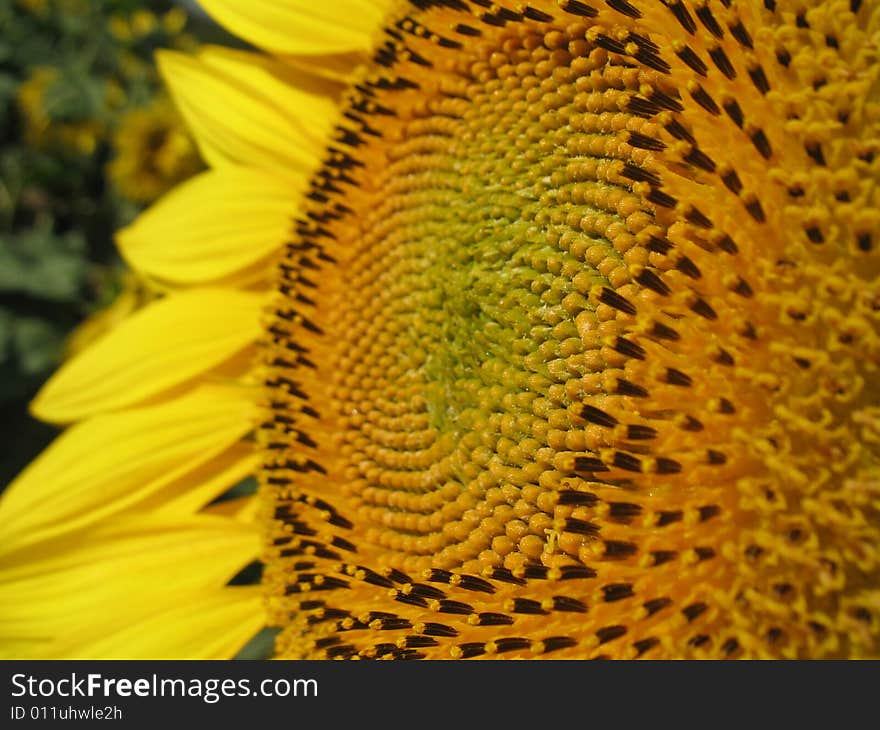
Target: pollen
{"type": "Point", "coordinates": [575, 346]}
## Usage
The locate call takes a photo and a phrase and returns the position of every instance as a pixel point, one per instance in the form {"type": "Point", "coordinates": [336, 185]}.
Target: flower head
{"type": "Point", "coordinates": [565, 323]}
{"type": "Point", "coordinates": [152, 152]}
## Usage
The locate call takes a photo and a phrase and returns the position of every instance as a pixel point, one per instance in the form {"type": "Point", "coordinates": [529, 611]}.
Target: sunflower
{"type": "Point", "coordinates": [548, 329]}
{"type": "Point", "coordinates": [152, 152]}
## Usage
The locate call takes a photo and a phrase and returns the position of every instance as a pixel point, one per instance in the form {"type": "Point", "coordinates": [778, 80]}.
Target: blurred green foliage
{"type": "Point", "coordinates": [78, 114]}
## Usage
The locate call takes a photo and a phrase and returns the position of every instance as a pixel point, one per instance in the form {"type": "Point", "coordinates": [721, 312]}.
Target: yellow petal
{"type": "Point", "coordinates": [109, 463]}
{"type": "Point", "coordinates": [245, 509]}
{"type": "Point", "coordinates": [103, 579]}
{"type": "Point", "coordinates": [338, 68]}
{"type": "Point", "coordinates": [276, 79]}
{"type": "Point", "coordinates": [242, 113]}
{"type": "Point", "coordinates": [192, 551]}
{"type": "Point", "coordinates": [302, 26]}
{"type": "Point", "coordinates": [213, 225]}
{"type": "Point", "coordinates": [161, 346]}
{"type": "Point", "coordinates": [213, 626]}
{"type": "Point", "coordinates": [195, 489]}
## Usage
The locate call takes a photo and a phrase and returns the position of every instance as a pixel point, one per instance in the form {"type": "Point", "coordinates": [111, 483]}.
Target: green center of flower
{"type": "Point", "coordinates": [469, 278]}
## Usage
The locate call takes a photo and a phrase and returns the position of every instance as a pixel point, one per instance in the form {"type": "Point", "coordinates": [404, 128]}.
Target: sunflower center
{"type": "Point", "coordinates": [550, 369]}
{"type": "Point", "coordinates": [452, 287]}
